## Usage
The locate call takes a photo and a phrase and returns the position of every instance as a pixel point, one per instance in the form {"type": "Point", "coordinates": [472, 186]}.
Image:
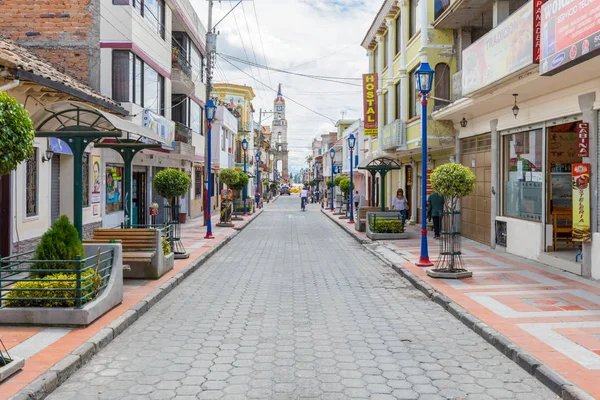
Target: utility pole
{"type": "Point", "coordinates": [211, 48]}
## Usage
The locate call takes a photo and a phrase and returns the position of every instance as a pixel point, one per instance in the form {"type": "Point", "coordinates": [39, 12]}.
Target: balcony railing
{"type": "Point", "coordinates": [394, 135]}
{"type": "Point", "coordinates": [183, 133]}
{"type": "Point", "coordinates": [180, 62]}
{"type": "Point", "coordinates": [457, 86]}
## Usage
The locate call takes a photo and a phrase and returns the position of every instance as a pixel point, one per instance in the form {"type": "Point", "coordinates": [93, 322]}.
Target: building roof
{"type": "Point", "coordinates": [389, 8]}
{"type": "Point", "coordinates": [279, 98]}
{"type": "Point", "coordinates": [26, 66]}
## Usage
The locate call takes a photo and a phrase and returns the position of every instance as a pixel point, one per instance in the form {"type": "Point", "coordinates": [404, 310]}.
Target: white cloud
{"type": "Point", "coordinates": [317, 37]}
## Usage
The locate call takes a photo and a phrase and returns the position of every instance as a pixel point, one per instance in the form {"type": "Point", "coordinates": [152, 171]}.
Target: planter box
{"type": "Point", "coordinates": [11, 368]}
{"type": "Point", "coordinates": [154, 269]}
{"type": "Point", "coordinates": [383, 216]}
{"type": "Point", "coordinates": [111, 296]}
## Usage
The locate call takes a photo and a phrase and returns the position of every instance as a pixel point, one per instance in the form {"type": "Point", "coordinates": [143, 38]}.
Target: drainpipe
{"type": "Point", "coordinates": [10, 85]}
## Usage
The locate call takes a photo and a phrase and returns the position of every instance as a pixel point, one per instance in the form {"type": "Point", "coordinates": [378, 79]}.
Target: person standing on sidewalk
{"type": "Point", "coordinates": [437, 211]}
{"type": "Point", "coordinates": [400, 204]}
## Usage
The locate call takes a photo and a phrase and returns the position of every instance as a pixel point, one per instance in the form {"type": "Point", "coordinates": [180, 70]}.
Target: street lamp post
{"type": "Point", "coordinates": [332, 156]}
{"type": "Point", "coordinates": [257, 173]}
{"type": "Point", "coordinates": [316, 177]}
{"type": "Point", "coordinates": [245, 192]}
{"type": "Point", "coordinates": [210, 109]}
{"type": "Point", "coordinates": [424, 84]}
{"type": "Point", "coordinates": [351, 144]}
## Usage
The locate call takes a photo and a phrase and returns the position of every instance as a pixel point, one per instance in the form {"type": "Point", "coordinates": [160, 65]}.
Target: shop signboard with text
{"type": "Point", "coordinates": [581, 203]}
{"type": "Point", "coordinates": [370, 85]}
{"type": "Point", "coordinates": [504, 50]}
{"type": "Point", "coordinates": [570, 34]}
{"type": "Point", "coordinates": [583, 139]}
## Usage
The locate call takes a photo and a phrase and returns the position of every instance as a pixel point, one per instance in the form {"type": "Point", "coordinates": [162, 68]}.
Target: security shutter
{"type": "Point", "coordinates": [55, 189]}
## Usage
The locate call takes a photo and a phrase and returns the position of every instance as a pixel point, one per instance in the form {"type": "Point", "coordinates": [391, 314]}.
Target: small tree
{"type": "Point", "coordinates": [60, 242]}
{"type": "Point", "coordinates": [338, 179]}
{"type": "Point", "coordinates": [16, 134]}
{"type": "Point", "coordinates": [345, 186]}
{"type": "Point", "coordinates": [328, 183]}
{"type": "Point", "coordinates": [242, 182]}
{"type": "Point", "coordinates": [453, 181]}
{"type": "Point", "coordinates": [171, 184]}
{"type": "Point", "coordinates": [229, 176]}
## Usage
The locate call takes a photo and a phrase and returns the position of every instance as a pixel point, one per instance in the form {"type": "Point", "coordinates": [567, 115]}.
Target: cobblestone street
{"type": "Point", "coordinates": [264, 320]}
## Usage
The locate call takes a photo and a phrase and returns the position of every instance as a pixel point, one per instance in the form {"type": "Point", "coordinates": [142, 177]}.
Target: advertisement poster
{"type": "Point", "coordinates": [370, 104]}
{"type": "Point", "coordinates": [569, 33]}
{"type": "Point", "coordinates": [114, 181]}
{"type": "Point", "coordinates": [504, 50]}
{"type": "Point", "coordinates": [162, 127]}
{"type": "Point", "coordinates": [96, 179]}
{"type": "Point", "coordinates": [95, 209]}
{"type": "Point", "coordinates": [583, 139]}
{"type": "Point", "coordinates": [581, 203]}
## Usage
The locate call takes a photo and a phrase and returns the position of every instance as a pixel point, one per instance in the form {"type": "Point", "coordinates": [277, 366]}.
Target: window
{"type": "Point", "coordinates": [31, 185]}
{"type": "Point", "coordinates": [197, 183]}
{"type": "Point", "coordinates": [398, 91]}
{"type": "Point", "coordinates": [398, 33]}
{"type": "Point", "coordinates": [440, 6]}
{"type": "Point", "coordinates": [195, 117]}
{"type": "Point", "coordinates": [86, 179]}
{"type": "Point", "coordinates": [523, 175]}
{"type": "Point", "coordinates": [153, 12]}
{"type": "Point", "coordinates": [415, 24]}
{"type": "Point", "coordinates": [442, 85]}
{"type": "Point", "coordinates": [121, 2]}
{"type": "Point", "coordinates": [413, 101]}
{"type": "Point", "coordinates": [114, 188]}
{"type": "Point", "coordinates": [133, 81]}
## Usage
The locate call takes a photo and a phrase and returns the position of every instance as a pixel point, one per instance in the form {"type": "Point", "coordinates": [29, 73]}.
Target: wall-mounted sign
{"type": "Point", "coordinates": [569, 34]}
{"type": "Point", "coordinates": [370, 84]}
{"type": "Point", "coordinates": [504, 50]}
{"type": "Point", "coordinates": [59, 147]}
{"type": "Point", "coordinates": [96, 179]}
{"type": "Point", "coordinates": [537, 29]}
{"type": "Point", "coordinates": [429, 187]}
{"type": "Point", "coordinates": [581, 203]}
{"type": "Point", "coordinates": [583, 139]}
{"type": "Point", "coordinates": [163, 127]}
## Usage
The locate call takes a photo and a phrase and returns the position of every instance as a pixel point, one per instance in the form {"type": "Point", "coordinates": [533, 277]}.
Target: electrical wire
{"type": "Point", "coordinates": [274, 90]}
{"type": "Point", "coordinates": [252, 46]}
{"type": "Point", "coordinates": [261, 42]}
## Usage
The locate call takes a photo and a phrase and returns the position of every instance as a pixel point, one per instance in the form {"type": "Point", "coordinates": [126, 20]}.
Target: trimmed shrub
{"type": "Point", "coordinates": [345, 185]}
{"type": "Point", "coordinates": [242, 182]}
{"type": "Point", "coordinates": [60, 242]}
{"type": "Point", "coordinates": [386, 226]}
{"type": "Point", "coordinates": [328, 183]}
{"type": "Point", "coordinates": [171, 183]}
{"type": "Point", "coordinates": [166, 247]}
{"type": "Point", "coordinates": [453, 181]}
{"type": "Point", "coordinates": [38, 288]}
{"type": "Point", "coordinates": [16, 134]}
{"type": "Point", "coordinates": [229, 176]}
{"type": "Point", "coordinates": [338, 179]}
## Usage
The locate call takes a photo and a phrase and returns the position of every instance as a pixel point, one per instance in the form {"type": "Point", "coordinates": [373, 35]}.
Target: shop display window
{"type": "Point", "coordinates": [523, 175]}
{"type": "Point", "coordinates": [114, 188]}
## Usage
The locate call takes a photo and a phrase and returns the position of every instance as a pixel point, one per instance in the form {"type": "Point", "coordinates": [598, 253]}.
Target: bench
{"type": "Point", "coordinates": [142, 250]}
{"type": "Point", "coordinates": [361, 219]}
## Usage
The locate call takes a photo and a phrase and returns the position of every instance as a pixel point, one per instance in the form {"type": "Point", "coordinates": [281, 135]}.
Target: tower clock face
{"type": "Point", "coordinates": [279, 108]}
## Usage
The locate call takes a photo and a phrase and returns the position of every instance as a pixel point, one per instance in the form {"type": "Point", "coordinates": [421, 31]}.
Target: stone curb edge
{"type": "Point", "coordinates": [46, 383]}
{"type": "Point", "coordinates": [555, 382]}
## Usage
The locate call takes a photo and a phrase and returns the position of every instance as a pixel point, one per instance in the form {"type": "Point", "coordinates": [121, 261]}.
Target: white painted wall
{"type": "Point", "coordinates": [523, 238]}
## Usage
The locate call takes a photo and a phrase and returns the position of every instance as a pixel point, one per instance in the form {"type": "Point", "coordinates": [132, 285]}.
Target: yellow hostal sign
{"type": "Point", "coordinates": [581, 203]}
{"type": "Point", "coordinates": [370, 104]}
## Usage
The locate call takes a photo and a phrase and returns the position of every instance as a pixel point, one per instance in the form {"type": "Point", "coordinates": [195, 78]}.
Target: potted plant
{"type": "Point", "coordinates": [171, 184]}
{"type": "Point", "coordinates": [451, 181]}
{"type": "Point", "coordinates": [229, 177]}
{"type": "Point", "coordinates": [238, 188]}
{"type": "Point", "coordinates": [345, 189]}
{"type": "Point", "coordinates": [175, 55]}
{"type": "Point", "coordinates": [17, 134]}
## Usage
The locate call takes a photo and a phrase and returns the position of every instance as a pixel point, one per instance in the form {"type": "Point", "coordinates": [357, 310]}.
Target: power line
{"type": "Point", "coordinates": [261, 42]}
{"type": "Point", "coordinates": [325, 56]}
{"type": "Point", "coordinates": [274, 90]}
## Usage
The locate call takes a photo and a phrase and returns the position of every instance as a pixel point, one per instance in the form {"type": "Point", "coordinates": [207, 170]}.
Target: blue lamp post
{"type": "Point", "coordinates": [332, 156]}
{"type": "Point", "coordinates": [351, 144]}
{"type": "Point", "coordinates": [245, 192]}
{"type": "Point", "coordinates": [257, 174]}
{"type": "Point", "coordinates": [424, 77]}
{"type": "Point", "coordinates": [210, 109]}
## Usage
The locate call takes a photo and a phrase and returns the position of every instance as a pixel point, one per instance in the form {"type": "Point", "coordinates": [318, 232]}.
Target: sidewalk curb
{"type": "Point", "coordinates": [46, 383]}
{"type": "Point", "coordinates": [554, 381]}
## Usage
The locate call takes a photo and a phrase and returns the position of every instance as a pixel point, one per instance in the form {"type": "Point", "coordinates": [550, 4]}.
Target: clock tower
{"type": "Point", "coordinates": [279, 143]}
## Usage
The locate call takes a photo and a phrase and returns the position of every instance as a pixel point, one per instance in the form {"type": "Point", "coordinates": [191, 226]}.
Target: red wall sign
{"type": "Point", "coordinates": [583, 139]}
{"type": "Point", "coordinates": [370, 104]}
{"type": "Point", "coordinates": [537, 29]}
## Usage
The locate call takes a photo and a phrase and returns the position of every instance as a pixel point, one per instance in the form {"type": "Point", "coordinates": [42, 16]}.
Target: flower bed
{"type": "Point", "coordinates": [385, 225]}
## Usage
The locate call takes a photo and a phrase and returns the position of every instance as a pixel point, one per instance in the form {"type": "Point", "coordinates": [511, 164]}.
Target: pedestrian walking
{"type": "Point", "coordinates": [358, 200]}
{"type": "Point", "coordinates": [437, 211]}
{"type": "Point", "coordinates": [401, 204]}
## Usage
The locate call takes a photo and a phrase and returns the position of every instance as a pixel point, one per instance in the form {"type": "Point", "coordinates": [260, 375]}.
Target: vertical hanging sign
{"type": "Point", "coordinates": [537, 29]}
{"type": "Point", "coordinates": [583, 139]}
{"type": "Point", "coordinates": [370, 104]}
{"type": "Point", "coordinates": [581, 203]}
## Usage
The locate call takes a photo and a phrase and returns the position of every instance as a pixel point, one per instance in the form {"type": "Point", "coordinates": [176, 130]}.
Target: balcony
{"type": "Point", "coordinates": [394, 135]}
{"type": "Point", "coordinates": [183, 140]}
{"type": "Point", "coordinates": [181, 73]}
{"type": "Point", "coordinates": [462, 13]}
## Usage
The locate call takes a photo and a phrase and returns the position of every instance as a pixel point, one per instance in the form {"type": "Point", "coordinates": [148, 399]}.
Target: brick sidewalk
{"type": "Point", "coordinates": [44, 347]}
{"type": "Point", "coordinates": [553, 315]}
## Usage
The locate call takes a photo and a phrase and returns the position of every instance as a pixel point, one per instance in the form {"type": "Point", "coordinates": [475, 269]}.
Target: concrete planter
{"type": "Point", "coordinates": [91, 311]}
{"type": "Point", "coordinates": [159, 265]}
{"type": "Point", "coordinates": [11, 368]}
{"type": "Point", "coordinates": [383, 236]}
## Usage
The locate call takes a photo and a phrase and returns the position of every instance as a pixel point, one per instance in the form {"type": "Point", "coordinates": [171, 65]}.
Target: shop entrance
{"type": "Point", "coordinates": [562, 154]}
{"type": "Point", "coordinates": [476, 209]}
{"type": "Point", "coordinates": [138, 214]}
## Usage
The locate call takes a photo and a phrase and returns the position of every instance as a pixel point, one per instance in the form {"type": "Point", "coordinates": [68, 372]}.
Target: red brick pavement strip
{"type": "Point", "coordinates": [47, 369]}
{"type": "Point", "coordinates": [498, 280]}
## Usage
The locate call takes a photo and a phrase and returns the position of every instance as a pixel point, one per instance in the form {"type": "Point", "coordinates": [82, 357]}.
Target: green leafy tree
{"type": "Point", "coordinates": [229, 176]}
{"type": "Point", "coordinates": [338, 179]}
{"type": "Point", "coordinates": [60, 242]}
{"type": "Point", "coordinates": [345, 186]}
{"type": "Point", "coordinates": [171, 184]}
{"type": "Point", "coordinates": [242, 182]}
{"type": "Point", "coordinates": [16, 134]}
{"type": "Point", "coordinates": [453, 181]}
{"type": "Point", "coordinates": [328, 183]}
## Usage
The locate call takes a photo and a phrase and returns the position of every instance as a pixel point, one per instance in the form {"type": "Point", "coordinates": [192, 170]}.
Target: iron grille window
{"type": "Point", "coordinates": [31, 184]}
{"type": "Point", "coordinates": [86, 179]}
{"type": "Point", "coordinates": [198, 183]}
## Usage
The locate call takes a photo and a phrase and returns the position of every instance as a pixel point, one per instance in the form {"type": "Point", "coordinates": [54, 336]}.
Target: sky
{"type": "Point", "coordinates": [314, 37]}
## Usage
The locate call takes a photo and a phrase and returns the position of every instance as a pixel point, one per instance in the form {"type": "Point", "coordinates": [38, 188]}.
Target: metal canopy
{"type": "Point", "coordinates": [382, 165]}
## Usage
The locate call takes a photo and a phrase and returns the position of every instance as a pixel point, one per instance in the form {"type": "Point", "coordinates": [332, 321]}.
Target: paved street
{"type": "Point", "coordinates": [263, 319]}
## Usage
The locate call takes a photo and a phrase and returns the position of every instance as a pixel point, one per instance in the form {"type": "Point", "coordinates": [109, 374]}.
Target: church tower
{"type": "Point", "coordinates": [279, 142]}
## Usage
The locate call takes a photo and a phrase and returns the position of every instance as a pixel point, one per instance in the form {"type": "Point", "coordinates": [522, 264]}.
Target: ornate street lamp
{"type": "Point", "coordinates": [332, 156]}
{"type": "Point", "coordinates": [351, 144]}
{"type": "Point", "coordinates": [424, 84]}
{"type": "Point", "coordinates": [257, 157]}
{"type": "Point", "coordinates": [210, 108]}
{"type": "Point", "coordinates": [245, 192]}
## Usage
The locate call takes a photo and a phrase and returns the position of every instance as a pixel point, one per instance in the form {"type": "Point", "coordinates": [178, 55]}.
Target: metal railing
{"type": "Point", "coordinates": [183, 133]}
{"type": "Point", "coordinates": [25, 282]}
{"type": "Point", "coordinates": [390, 222]}
{"type": "Point", "coordinates": [182, 63]}
{"type": "Point", "coordinates": [394, 135]}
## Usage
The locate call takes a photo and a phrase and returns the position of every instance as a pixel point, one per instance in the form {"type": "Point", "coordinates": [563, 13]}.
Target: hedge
{"type": "Point", "coordinates": [386, 226]}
